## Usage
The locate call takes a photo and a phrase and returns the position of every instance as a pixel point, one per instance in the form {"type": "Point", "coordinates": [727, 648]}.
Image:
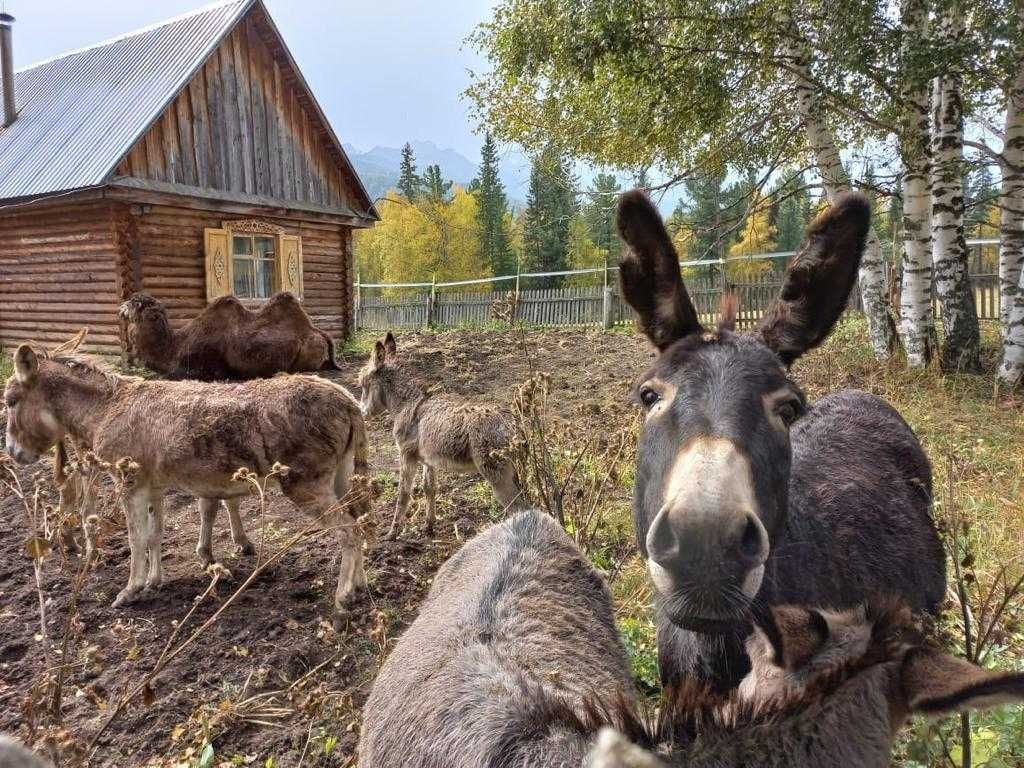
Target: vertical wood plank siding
{"type": "Point", "coordinates": [243, 125]}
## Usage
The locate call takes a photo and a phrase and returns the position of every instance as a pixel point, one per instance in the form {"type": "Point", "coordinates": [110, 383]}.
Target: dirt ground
{"type": "Point", "coordinates": [272, 683]}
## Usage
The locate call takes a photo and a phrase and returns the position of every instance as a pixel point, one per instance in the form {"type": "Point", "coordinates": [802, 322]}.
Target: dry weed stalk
{"type": "Point", "coordinates": [990, 604]}
{"type": "Point", "coordinates": [358, 498]}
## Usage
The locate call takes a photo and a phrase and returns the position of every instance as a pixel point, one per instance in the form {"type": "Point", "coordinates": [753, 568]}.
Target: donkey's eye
{"type": "Point", "coordinates": [11, 401]}
{"type": "Point", "coordinates": [788, 411]}
{"type": "Point", "coordinates": [649, 397]}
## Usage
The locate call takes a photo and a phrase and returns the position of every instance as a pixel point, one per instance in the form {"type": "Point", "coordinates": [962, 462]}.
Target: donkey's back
{"type": "Point", "coordinates": [513, 643]}
{"type": "Point", "coordinates": [860, 500]}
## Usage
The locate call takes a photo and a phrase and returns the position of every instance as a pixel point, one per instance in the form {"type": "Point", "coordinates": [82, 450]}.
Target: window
{"type": "Point", "coordinates": [252, 260]}
{"type": "Point", "coordinates": [254, 266]}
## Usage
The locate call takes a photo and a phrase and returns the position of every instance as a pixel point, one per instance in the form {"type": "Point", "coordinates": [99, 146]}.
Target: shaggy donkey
{"type": "Point", "coordinates": [194, 436]}
{"type": "Point", "coordinates": [438, 432]}
{"type": "Point", "coordinates": [745, 495]}
{"type": "Point", "coordinates": [826, 689]}
{"type": "Point", "coordinates": [227, 341]}
{"type": "Point", "coordinates": [14, 755]}
{"type": "Point", "coordinates": [512, 647]}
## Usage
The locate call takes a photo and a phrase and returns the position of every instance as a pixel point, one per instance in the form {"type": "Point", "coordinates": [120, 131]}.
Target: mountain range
{"type": "Point", "coordinates": [379, 168]}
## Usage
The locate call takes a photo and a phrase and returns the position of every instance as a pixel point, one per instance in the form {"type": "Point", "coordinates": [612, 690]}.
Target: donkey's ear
{"type": "Point", "coordinates": [390, 347]}
{"type": "Point", "coordinates": [936, 684]}
{"type": "Point", "coordinates": [818, 281]}
{"type": "Point", "coordinates": [795, 634]}
{"type": "Point", "coordinates": [378, 355]}
{"type": "Point", "coordinates": [71, 344]}
{"type": "Point", "coordinates": [649, 273]}
{"type": "Point", "coordinates": [26, 363]}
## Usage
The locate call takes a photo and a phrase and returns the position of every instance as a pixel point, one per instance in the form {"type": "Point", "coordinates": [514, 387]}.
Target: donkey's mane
{"type": "Point", "coordinates": [79, 363]}
{"type": "Point", "coordinates": [693, 709]}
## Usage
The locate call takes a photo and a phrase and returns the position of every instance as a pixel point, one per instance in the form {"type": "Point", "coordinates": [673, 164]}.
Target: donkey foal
{"type": "Point", "coordinates": [438, 432]}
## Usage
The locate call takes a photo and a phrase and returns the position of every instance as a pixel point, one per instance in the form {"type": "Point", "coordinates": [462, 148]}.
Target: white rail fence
{"type": "Point", "coordinates": [381, 306]}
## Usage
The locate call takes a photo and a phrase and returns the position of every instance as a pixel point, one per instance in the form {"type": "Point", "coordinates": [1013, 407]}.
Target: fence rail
{"type": "Point", "coordinates": [381, 306]}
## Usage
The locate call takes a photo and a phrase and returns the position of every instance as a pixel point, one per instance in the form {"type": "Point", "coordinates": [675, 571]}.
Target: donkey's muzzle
{"type": "Point", "coordinates": [707, 546]}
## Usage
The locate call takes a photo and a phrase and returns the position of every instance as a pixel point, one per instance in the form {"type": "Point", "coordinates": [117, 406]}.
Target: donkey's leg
{"type": "Point", "coordinates": [154, 539]}
{"type": "Point", "coordinates": [430, 493]}
{"type": "Point", "coordinates": [238, 537]}
{"type": "Point", "coordinates": [136, 513]}
{"type": "Point", "coordinates": [406, 477]}
{"type": "Point", "coordinates": [207, 514]}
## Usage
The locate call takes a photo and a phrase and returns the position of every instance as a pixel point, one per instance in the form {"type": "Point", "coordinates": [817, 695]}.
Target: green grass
{"type": "Point", "coordinates": [6, 366]}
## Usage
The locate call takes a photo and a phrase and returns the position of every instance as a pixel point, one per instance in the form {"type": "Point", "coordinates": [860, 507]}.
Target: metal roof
{"type": "Point", "coordinates": [79, 113]}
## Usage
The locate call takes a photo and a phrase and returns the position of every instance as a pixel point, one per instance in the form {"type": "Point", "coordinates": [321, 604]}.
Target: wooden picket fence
{"type": "Point", "coordinates": [381, 307]}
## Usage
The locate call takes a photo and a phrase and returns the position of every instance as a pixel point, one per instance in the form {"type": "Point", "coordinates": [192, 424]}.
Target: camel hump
{"type": "Point", "coordinates": [283, 307]}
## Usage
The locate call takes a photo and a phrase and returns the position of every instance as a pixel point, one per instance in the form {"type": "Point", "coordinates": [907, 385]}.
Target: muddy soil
{"type": "Point", "coordinates": [272, 679]}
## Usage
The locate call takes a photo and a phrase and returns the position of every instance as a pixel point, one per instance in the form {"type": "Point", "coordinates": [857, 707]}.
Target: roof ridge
{"type": "Point", "coordinates": [135, 33]}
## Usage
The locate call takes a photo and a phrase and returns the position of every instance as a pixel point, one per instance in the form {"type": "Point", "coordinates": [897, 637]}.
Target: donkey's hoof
{"type": "Point", "coordinates": [205, 557]}
{"type": "Point", "coordinates": [152, 586]}
{"type": "Point", "coordinates": [245, 548]}
{"type": "Point", "coordinates": [126, 596]}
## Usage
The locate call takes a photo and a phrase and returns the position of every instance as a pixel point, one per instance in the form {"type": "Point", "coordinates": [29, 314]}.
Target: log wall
{"type": "Point", "coordinates": [172, 263]}
{"type": "Point", "coordinates": [61, 269]}
{"type": "Point", "coordinates": [245, 124]}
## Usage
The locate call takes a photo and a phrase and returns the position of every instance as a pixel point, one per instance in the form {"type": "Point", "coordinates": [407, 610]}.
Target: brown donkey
{"type": "Point", "coordinates": [746, 495]}
{"type": "Point", "coordinates": [825, 689]}
{"type": "Point", "coordinates": [441, 433]}
{"type": "Point", "coordinates": [194, 436]}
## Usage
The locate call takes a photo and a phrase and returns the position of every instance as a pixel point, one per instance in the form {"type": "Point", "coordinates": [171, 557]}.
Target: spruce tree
{"type": "Point", "coordinates": [492, 206]}
{"type": "Point", "coordinates": [599, 213]}
{"type": "Point", "coordinates": [408, 179]}
{"type": "Point", "coordinates": [550, 207]}
{"type": "Point", "coordinates": [433, 185]}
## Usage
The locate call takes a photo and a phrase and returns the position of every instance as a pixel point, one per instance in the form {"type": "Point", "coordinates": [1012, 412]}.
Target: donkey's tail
{"type": "Point", "coordinates": [331, 363]}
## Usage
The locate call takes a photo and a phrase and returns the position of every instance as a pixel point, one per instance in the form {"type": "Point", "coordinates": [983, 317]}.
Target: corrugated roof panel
{"type": "Point", "coordinates": [80, 113]}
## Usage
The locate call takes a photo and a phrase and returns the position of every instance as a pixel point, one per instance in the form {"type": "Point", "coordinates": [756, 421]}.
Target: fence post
{"type": "Point", "coordinates": [606, 303]}
{"type": "Point", "coordinates": [357, 309]}
{"type": "Point", "coordinates": [515, 296]}
{"type": "Point", "coordinates": [430, 301]}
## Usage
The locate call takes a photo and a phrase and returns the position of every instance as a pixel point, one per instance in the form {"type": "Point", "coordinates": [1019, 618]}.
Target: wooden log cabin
{"type": "Point", "coordinates": [188, 160]}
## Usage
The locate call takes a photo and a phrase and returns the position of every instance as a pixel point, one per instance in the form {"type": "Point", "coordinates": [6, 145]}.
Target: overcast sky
{"type": "Point", "coordinates": [385, 71]}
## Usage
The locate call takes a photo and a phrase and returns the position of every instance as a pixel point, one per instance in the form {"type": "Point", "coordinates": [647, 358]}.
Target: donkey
{"type": "Point", "coordinates": [195, 436]}
{"type": "Point", "coordinates": [14, 755]}
{"type": "Point", "coordinates": [511, 648]}
{"type": "Point", "coordinates": [227, 341]}
{"type": "Point", "coordinates": [745, 495]}
{"type": "Point", "coordinates": [826, 688]}
{"type": "Point", "coordinates": [445, 433]}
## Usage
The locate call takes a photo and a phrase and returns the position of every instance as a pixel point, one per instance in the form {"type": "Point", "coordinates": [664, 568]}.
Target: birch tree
{"type": "Point", "coordinates": [1011, 231]}
{"type": "Point", "coordinates": [916, 321]}
{"type": "Point", "coordinates": [835, 180]}
{"type": "Point", "coordinates": [961, 345]}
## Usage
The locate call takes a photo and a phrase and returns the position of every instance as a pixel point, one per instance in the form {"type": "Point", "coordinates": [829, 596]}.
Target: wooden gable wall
{"type": "Point", "coordinates": [245, 125]}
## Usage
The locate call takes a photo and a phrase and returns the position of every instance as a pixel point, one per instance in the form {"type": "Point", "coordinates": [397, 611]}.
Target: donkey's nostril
{"type": "Point", "coordinates": [662, 543]}
{"type": "Point", "coordinates": [753, 541]}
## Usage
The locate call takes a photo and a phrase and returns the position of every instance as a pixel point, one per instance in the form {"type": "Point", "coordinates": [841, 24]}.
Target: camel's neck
{"type": "Point", "coordinates": [156, 344]}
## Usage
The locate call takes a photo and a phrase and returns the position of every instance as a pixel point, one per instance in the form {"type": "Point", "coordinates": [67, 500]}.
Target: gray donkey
{"type": "Point", "coordinates": [825, 689]}
{"type": "Point", "coordinates": [437, 431]}
{"type": "Point", "coordinates": [512, 644]}
{"type": "Point", "coordinates": [514, 662]}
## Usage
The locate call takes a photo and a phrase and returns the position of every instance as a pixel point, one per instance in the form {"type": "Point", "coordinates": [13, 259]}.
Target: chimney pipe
{"type": "Point", "coordinates": [7, 67]}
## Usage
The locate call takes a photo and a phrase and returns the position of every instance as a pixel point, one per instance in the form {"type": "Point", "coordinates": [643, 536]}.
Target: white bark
{"type": "Point", "coordinates": [961, 336]}
{"type": "Point", "coordinates": [1011, 234]}
{"type": "Point", "coordinates": [916, 323]}
{"type": "Point", "coordinates": [871, 278]}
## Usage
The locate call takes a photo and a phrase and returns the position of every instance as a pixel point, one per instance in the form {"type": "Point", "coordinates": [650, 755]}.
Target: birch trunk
{"type": "Point", "coordinates": [916, 323]}
{"type": "Point", "coordinates": [961, 343]}
{"type": "Point", "coordinates": [1011, 234]}
{"type": "Point", "coordinates": [871, 278]}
